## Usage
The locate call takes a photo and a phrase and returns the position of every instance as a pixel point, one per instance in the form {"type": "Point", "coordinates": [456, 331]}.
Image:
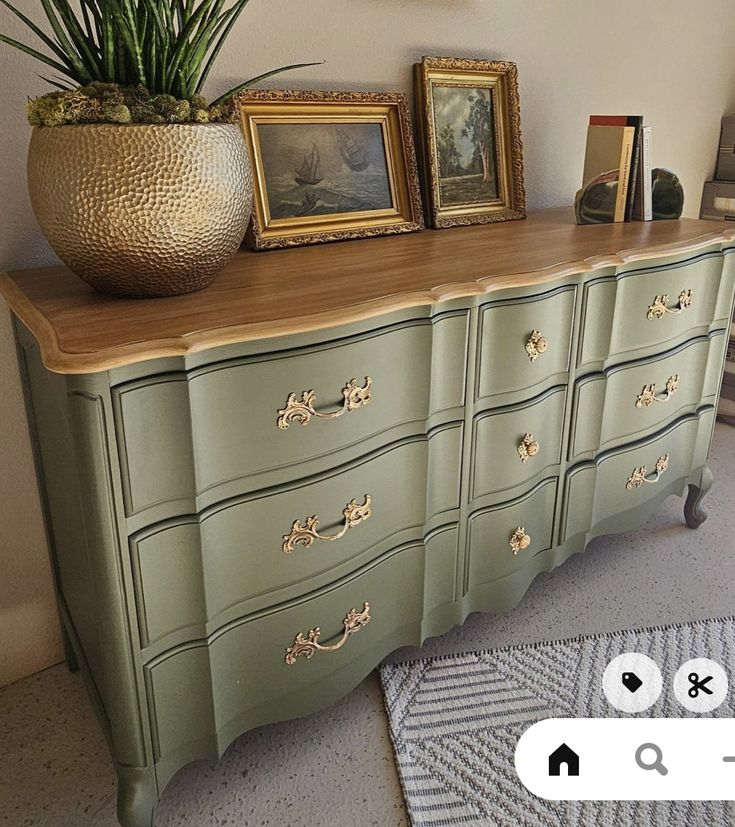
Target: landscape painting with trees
{"type": "Point", "coordinates": [470, 118]}
{"type": "Point", "coordinates": [465, 145]}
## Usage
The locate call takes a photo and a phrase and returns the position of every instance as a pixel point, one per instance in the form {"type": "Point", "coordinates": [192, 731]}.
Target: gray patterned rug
{"type": "Point", "coordinates": [455, 722]}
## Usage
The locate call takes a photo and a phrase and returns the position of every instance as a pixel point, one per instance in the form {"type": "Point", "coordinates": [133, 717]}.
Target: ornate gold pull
{"type": "Point", "coordinates": [648, 396]}
{"type": "Point", "coordinates": [535, 345]}
{"type": "Point", "coordinates": [306, 646]}
{"type": "Point", "coordinates": [302, 410]}
{"type": "Point", "coordinates": [660, 307]}
{"type": "Point", "coordinates": [640, 474]}
{"type": "Point", "coordinates": [306, 533]}
{"type": "Point", "coordinates": [528, 447]}
{"type": "Point", "coordinates": [519, 540]}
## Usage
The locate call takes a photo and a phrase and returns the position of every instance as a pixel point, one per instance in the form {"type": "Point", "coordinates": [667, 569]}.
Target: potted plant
{"type": "Point", "coordinates": [141, 187]}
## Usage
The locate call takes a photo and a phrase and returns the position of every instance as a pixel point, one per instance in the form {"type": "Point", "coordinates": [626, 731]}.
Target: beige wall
{"type": "Point", "coordinates": [670, 60]}
{"type": "Point", "coordinates": [29, 634]}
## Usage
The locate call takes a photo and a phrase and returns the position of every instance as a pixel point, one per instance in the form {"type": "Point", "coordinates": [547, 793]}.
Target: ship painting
{"type": "Point", "coordinates": [352, 151]}
{"type": "Point", "coordinates": [308, 172]}
{"type": "Point", "coordinates": [316, 169]}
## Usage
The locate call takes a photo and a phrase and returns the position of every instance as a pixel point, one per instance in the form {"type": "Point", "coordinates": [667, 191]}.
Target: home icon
{"type": "Point", "coordinates": [564, 755]}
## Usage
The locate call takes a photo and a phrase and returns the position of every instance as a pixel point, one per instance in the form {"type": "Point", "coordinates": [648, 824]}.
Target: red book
{"type": "Point", "coordinates": [614, 120]}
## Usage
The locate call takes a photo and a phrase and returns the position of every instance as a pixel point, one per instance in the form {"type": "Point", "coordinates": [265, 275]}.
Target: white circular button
{"type": "Point", "coordinates": [632, 682]}
{"type": "Point", "coordinates": [700, 685]}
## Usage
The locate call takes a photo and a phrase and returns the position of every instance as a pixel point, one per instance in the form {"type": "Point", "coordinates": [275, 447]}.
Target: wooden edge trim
{"type": "Point", "coordinates": [33, 319]}
{"type": "Point", "coordinates": [70, 362]}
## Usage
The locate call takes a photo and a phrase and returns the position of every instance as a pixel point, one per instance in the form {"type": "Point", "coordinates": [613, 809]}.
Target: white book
{"type": "Point", "coordinates": [643, 203]}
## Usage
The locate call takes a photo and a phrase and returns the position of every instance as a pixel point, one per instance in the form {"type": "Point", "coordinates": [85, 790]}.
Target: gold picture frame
{"type": "Point", "coordinates": [468, 178]}
{"type": "Point", "coordinates": [329, 166]}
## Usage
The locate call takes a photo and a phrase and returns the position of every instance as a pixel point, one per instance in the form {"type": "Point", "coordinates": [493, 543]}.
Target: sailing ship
{"type": "Point", "coordinates": [308, 172]}
{"type": "Point", "coordinates": [352, 151]}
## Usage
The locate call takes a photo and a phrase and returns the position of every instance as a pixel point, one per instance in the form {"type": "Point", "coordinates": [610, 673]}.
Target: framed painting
{"type": "Point", "coordinates": [470, 136]}
{"type": "Point", "coordinates": [329, 166]}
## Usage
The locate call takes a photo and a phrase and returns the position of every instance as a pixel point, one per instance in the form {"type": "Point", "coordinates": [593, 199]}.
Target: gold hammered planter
{"type": "Point", "coordinates": [141, 210]}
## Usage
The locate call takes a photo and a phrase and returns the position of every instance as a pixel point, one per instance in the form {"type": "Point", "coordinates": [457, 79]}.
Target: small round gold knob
{"type": "Point", "coordinates": [528, 447]}
{"type": "Point", "coordinates": [519, 540]}
{"type": "Point", "coordinates": [536, 345]}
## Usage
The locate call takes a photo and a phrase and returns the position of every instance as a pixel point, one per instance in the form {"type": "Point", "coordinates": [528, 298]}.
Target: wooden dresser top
{"type": "Point", "coordinates": [260, 295]}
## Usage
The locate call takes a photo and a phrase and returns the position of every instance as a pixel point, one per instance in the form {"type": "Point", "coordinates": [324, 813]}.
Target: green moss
{"type": "Point", "coordinates": [109, 103]}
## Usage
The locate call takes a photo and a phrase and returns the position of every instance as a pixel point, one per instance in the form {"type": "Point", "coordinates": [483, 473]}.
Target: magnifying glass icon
{"type": "Point", "coordinates": [653, 763]}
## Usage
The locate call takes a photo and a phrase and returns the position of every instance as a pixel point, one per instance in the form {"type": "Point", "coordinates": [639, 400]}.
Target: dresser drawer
{"type": "Point", "coordinates": [600, 492]}
{"type": "Point", "coordinates": [190, 573]}
{"type": "Point", "coordinates": [203, 434]}
{"type": "Point", "coordinates": [524, 343]}
{"type": "Point", "coordinates": [630, 401]}
{"type": "Point", "coordinates": [514, 445]}
{"type": "Point", "coordinates": [242, 679]}
{"type": "Point", "coordinates": [652, 308]}
{"type": "Point", "coordinates": [502, 538]}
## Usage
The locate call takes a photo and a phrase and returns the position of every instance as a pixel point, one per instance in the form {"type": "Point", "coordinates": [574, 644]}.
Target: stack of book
{"type": "Point", "coordinates": [718, 204]}
{"type": "Point", "coordinates": [617, 181]}
{"type": "Point", "coordinates": [718, 198]}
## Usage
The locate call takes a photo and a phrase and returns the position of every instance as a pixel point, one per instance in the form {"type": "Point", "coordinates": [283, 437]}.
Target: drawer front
{"type": "Point", "coordinates": [187, 435]}
{"type": "Point", "coordinates": [514, 445]}
{"type": "Point", "coordinates": [191, 573]}
{"type": "Point", "coordinates": [524, 344]}
{"type": "Point", "coordinates": [241, 679]}
{"type": "Point", "coordinates": [651, 309]}
{"type": "Point", "coordinates": [629, 402]}
{"type": "Point", "coordinates": [628, 479]}
{"type": "Point", "coordinates": [503, 538]}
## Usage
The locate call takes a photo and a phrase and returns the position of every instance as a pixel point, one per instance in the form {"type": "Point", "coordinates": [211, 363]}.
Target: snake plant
{"type": "Point", "coordinates": [166, 46]}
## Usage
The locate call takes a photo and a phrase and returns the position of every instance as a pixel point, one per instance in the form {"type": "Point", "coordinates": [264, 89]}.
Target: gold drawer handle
{"type": "Point", "coordinates": [306, 533]}
{"type": "Point", "coordinates": [519, 540]}
{"type": "Point", "coordinates": [660, 306]}
{"type": "Point", "coordinates": [648, 396]}
{"type": "Point", "coordinates": [306, 646]}
{"type": "Point", "coordinates": [640, 474]}
{"type": "Point", "coordinates": [535, 345]}
{"type": "Point", "coordinates": [528, 447]}
{"type": "Point", "coordinates": [302, 410]}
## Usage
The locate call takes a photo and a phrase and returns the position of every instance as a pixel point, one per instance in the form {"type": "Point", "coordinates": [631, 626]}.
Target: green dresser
{"type": "Point", "coordinates": [255, 493]}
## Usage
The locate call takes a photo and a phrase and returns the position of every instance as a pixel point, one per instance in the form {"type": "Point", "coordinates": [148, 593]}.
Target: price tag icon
{"type": "Point", "coordinates": [631, 682]}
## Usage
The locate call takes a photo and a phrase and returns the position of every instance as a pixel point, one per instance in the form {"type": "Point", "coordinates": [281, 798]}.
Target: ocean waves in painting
{"type": "Point", "coordinates": [337, 193]}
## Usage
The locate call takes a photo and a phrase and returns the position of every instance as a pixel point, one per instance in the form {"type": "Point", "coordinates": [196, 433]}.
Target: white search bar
{"type": "Point", "coordinates": [629, 759]}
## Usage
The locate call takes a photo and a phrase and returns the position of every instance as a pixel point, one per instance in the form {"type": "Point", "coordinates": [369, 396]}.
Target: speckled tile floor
{"type": "Point", "coordinates": [336, 767]}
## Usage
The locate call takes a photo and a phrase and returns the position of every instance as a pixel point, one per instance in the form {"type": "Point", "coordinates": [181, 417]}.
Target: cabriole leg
{"type": "Point", "coordinates": [694, 514]}
{"type": "Point", "coordinates": [137, 796]}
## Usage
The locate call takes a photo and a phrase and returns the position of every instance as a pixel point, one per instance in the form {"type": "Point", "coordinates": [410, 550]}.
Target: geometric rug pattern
{"type": "Point", "coordinates": [455, 722]}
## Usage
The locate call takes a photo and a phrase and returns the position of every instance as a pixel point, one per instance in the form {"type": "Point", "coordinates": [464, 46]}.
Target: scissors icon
{"type": "Point", "coordinates": [696, 685]}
